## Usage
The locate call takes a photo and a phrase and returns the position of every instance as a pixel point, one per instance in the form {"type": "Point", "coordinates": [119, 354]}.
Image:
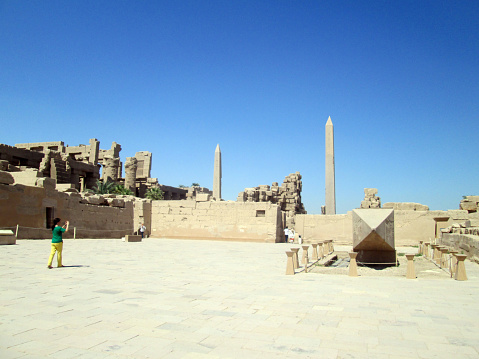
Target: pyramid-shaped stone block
{"type": "Point", "coordinates": [373, 235]}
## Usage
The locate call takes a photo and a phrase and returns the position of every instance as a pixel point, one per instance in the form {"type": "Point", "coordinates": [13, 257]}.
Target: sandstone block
{"type": "Point", "coordinates": [6, 178]}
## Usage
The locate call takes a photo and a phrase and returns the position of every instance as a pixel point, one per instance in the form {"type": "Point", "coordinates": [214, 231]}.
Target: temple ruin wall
{"type": "Point", "coordinates": [258, 222]}
{"type": "Point", "coordinates": [26, 206]}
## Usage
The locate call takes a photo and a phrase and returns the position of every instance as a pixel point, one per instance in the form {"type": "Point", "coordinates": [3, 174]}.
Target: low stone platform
{"type": "Point", "coordinates": [207, 299]}
{"type": "Point", "coordinates": [7, 237]}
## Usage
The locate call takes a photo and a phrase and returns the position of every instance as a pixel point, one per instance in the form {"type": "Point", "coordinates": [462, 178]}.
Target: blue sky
{"type": "Point", "coordinates": [400, 80]}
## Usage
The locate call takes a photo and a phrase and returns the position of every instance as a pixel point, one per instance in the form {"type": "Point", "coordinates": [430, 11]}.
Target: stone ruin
{"type": "Point", "coordinates": [469, 203]}
{"type": "Point", "coordinates": [287, 196]}
{"type": "Point", "coordinates": [370, 200]}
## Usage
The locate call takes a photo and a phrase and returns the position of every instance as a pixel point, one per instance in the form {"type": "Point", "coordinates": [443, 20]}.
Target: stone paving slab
{"type": "Point", "coordinates": [165, 298]}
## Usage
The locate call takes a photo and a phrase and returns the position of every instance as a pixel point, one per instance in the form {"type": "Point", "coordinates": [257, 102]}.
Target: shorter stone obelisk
{"type": "Point", "coordinates": [217, 174]}
{"type": "Point", "coordinates": [330, 180]}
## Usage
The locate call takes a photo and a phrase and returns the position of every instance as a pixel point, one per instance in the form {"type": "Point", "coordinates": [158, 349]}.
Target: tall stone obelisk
{"type": "Point", "coordinates": [330, 181]}
{"type": "Point", "coordinates": [217, 174]}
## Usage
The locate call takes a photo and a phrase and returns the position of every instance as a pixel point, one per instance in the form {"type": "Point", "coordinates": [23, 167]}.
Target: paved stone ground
{"type": "Point", "coordinates": [167, 298]}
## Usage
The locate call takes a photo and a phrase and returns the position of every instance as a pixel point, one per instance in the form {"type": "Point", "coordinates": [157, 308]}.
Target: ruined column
{"type": "Point", "coordinates": [110, 168]}
{"type": "Point", "coordinates": [131, 165]}
{"type": "Point", "coordinates": [217, 174]}
{"type": "Point", "coordinates": [329, 163]}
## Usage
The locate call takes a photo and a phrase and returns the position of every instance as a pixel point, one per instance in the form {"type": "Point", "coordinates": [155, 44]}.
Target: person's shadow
{"type": "Point", "coordinates": [73, 266]}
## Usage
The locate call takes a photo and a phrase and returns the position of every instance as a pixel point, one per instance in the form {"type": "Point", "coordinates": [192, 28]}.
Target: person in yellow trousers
{"type": "Point", "coordinates": [57, 242]}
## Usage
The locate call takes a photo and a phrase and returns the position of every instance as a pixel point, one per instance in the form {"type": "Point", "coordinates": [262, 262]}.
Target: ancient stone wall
{"type": "Point", "coordinates": [259, 222]}
{"type": "Point", "coordinates": [31, 206]}
{"type": "Point", "coordinates": [465, 243]}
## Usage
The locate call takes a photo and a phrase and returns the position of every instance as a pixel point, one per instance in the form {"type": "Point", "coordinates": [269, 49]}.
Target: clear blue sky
{"type": "Point", "coordinates": [400, 80]}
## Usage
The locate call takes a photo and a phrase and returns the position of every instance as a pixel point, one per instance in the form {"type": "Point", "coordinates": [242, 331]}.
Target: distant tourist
{"type": "Point", "coordinates": [142, 230]}
{"type": "Point", "coordinates": [286, 234]}
{"type": "Point", "coordinates": [57, 242]}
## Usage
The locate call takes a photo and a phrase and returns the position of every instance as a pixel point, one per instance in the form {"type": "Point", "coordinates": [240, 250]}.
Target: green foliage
{"type": "Point", "coordinates": [154, 194]}
{"type": "Point", "coordinates": [181, 186]}
{"type": "Point", "coordinates": [103, 187]}
{"type": "Point", "coordinates": [120, 189]}
{"type": "Point", "coordinates": [194, 184]}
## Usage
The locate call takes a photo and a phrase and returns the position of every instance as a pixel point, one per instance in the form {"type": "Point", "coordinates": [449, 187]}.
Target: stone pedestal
{"type": "Point", "coordinates": [320, 250]}
{"type": "Point", "coordinates": [461, 268]}
{"type": "Point", "coordinates": [453, 264]}
{"type": "Point", "coordinates": [295, 257]}
{"type": "Point", "coordinates": [426, 250]}
{"type": "Point", "coordinates": [7, 237]}
{"type": "Point", "coordinates": [305, 258]}
{"type": "Point", "coordinates": [444, 258]}
{"type": "Point", "coordinates": [421, 248]}
{"type": "Point", "coordinates": [315, 252]}
{"type": "Point", "coordinates": [353, 266]}
{"type": "Point", "coordinates": [290, 263]}
{"type": "Point", "coordinates": [132, 238]}
{"type": "Point", "coordinates": [411, 273]}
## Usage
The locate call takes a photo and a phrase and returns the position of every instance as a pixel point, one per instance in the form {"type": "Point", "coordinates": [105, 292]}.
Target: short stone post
{"type": "Point", "coordinates": [331, 247]}
{"type": "Point", "coordinates": [421, 247]}
{"type": "Point", "coordinates": [426, 250]}
{"type": "Point", "coordinates": [74, 232]}
{"type": "Point", "coordinates": [289, 263]}
{"type": "Point", "coordinates": [328, 246]}
{"type": "Point", "coordinates": [453, 263]}
{"type": "Point", "coordinates": [315, 252]}
{"type": "Point", "coordinates": [353, 265]}
{"type": "Point", "coordinates": [305, 258]}
{"type": "Point", "coordinates": [411, 273]}
{"type": "Point", "coordinates": [320, 250]}
{"type": "Point", "coordinates": [461, 267]}
{"type": "Point", "coordinates": [434, 256]}
{"type": "Point", "coordinates": [295, 257]}
{"type": "Point", "coordinates": [444, 251]}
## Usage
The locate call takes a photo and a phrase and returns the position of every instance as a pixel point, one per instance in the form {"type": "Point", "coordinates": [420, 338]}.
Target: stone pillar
{"type": "Point", "coordinates": [217, 174]}
{"type": "Point", "coordinates": [110, 168]}
{"type": "Point", "coordinates": [94, 151]}
{"type": "Point", "coordinates": [320, 250]}
{"type": "Point", "coordinates": [421, 247]}
{"type": "Point", "coordinates": [315, 252]}
{"type": "Point", "coordinates": [453, 263]}
{"type": "Point", "coordinates": [295, 257]}
{"type": "Point", "coordinates": [353, 266]}
{"type": "Point", "coordinates": [330, 175]}
{"type": "Point", "coordinates": [426, 250]}
{"type": "Point", "coordinates": [130, 173]}
{"type": "Point", "coordinates": [443, 262]}
{"type": "Point", "coordinates": [411, 273]}
{"type": "Point", "coordinates": [461, 267]}
{"type": "Point", "coordinates": [290, 264]}
{"type": "Point", "coordinates": [305, 259]}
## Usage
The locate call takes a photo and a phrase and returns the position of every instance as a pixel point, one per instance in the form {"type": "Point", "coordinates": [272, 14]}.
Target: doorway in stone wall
{"type": "Point", "coordinates": [50, 215]}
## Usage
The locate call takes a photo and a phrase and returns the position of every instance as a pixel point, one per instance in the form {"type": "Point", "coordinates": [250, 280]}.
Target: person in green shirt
{"type": "Point", "coordinates": [57, 242]}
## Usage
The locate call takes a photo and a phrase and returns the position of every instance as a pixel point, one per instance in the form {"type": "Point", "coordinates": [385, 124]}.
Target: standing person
{"type": "Point", "coordinates": [57, 242]}
{"type": "Point", "coordinates": [291, 235]}
{"type": "Point", "coordinates": [286, 233]}
{"type": "Point", "coordinates": [142, 230]}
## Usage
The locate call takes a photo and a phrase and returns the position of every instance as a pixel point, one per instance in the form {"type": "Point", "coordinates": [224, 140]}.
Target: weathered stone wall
{"type": "Point", "coordinates": [316, 227]}
{"type": "Point", "coordinates": [259, 222]}
{"type": "Point", "coordinates": [467, 243]}
{"type": "Point", "coordinates": [27, 207]}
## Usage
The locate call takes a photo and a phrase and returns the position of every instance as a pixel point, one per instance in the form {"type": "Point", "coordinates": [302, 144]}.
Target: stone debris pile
{"type": "Point", "coordinates": [370, 200]}
{"type": "Point", "coordinates": [287, 196]}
